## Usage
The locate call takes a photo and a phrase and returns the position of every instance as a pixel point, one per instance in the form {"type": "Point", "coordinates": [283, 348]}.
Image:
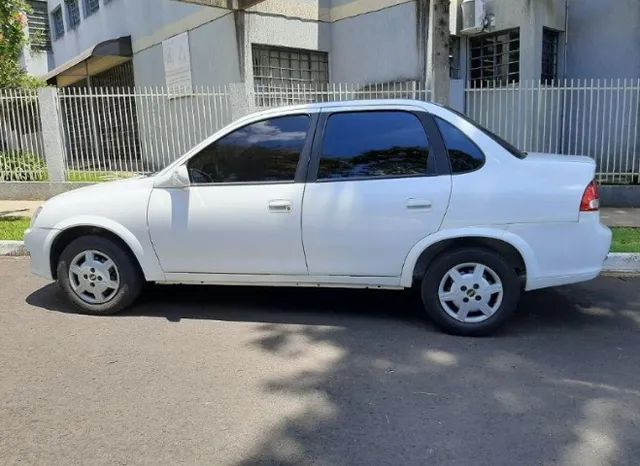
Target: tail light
{"type": "Point", "coordinates": [591, 198]}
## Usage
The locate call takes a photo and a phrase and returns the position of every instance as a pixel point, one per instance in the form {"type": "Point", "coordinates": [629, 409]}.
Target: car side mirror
{"type": "Point", "coordinates": [176, 178]}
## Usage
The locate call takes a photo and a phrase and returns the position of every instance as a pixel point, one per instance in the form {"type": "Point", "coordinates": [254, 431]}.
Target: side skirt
{"type": "Point", "coordinates": [330, 281]}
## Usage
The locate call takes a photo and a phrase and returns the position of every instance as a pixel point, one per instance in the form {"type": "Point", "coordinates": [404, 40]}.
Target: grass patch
{"type": "Point", "coordinates": [82, 176]}
{"type": "Point", "coordinates": [626, 240]}
{"type": "Point", "coordinates": [12, 228]}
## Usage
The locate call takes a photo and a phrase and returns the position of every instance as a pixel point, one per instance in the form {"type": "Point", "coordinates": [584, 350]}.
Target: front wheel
{"type": "Point", "coordinates": [470, 291]}
{"type": "Point", "coordinates": [98, 275]}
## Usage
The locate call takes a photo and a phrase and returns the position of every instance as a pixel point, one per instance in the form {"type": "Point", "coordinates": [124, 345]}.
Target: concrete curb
{"type": "Point", "coordinates": [13, 248]}
{"type": "Point", "coordinates": [620, 262]}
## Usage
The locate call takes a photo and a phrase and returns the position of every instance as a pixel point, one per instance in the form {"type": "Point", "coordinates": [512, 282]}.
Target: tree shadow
{"type": "Point", "coordinates": [379, 385]}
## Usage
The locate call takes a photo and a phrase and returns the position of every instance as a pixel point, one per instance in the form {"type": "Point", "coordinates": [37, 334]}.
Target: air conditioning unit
{"type": "Point", "coordinates": [474, 16]}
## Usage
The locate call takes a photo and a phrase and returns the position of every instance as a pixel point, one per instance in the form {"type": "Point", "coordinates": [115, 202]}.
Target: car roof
{"type": "Point", "coordinates": [316, 107]}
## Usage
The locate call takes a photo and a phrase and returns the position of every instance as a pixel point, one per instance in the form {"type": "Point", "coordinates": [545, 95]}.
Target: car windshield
{"type": "Point", "coordinates": [513, 150]}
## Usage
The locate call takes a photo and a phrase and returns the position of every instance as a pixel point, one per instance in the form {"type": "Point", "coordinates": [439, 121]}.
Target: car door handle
{"type": "Point", "coordinates": [418, 204]}
{"type": "Point", "coordinates": [280, 206]}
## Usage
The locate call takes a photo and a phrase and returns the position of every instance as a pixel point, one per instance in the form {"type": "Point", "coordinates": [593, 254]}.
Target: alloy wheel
{"type": "Point", "coordinates": [94, 277]}
{"type": "Point", "coordinates": [470, 292]}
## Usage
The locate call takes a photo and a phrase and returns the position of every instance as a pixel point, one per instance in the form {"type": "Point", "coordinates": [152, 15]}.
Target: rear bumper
{"type": "Point", "coordinates": [38, 242]}
{"type": "Point", "coordinates": [564, 253]}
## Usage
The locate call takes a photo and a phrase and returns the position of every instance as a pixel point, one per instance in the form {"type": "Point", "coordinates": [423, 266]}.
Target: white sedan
{"type": "Point", "coordinates": [376, 194]}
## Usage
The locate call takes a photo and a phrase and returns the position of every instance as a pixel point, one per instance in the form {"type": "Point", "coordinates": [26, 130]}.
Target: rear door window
{"type": "Point", "coordinates": [374, 144]}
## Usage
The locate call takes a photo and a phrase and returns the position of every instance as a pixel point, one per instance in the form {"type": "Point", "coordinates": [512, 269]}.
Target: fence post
{"type": "Point", "coordinates": [241, 100]}
{"type": "Point", "coordinates": [51, 134]}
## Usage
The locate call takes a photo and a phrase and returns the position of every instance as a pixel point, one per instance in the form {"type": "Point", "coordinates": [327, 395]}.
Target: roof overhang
{"type": "Point", "coordinates": [226, 4]}
{"type": "Point", "coordinates": [94, 60]}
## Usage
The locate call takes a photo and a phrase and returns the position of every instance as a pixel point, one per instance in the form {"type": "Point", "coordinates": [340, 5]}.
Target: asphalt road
{"type": "Point", "coordinates": [304, 376]}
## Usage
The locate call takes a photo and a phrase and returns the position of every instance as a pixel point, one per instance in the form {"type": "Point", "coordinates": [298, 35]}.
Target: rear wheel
{"type": "Point", "coordinates": [470, 291]}
{"type": "Point", "coordinates": [98, 275]}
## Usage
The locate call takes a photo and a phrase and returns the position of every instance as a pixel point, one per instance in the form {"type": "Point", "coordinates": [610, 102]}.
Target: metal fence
{"type": "Point", "coordinates": [109, 133]}
{"type": "Point", "coordinates": [21, 146]}
{"type": "Point", "coordinates": [595, 117]}
{"type": "Point", "coordinates": [274, 96]}
{"type": "Point", "coordinates": [119, 132]}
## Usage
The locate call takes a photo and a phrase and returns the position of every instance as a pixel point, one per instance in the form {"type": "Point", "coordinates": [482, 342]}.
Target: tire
{"type": "Point", "coordinates": [463, 310]}
{"type": "Point", "coordinates": [105, 278]}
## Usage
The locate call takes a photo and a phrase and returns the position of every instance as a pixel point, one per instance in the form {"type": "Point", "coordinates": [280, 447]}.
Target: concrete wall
{"type": "Point", "coordinates": [381, 46]}
{"type": "Point", "coordinates": [147, 21]}
{"type": "Point", "coordinates": [211, 63]}
{"type": "Point", "coordinates": [604, 40]}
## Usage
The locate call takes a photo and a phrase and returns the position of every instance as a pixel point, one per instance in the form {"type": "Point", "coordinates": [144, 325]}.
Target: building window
{"type": "Point", "coordinates": [90, 7]}
{"type": "Point", "coordinates": [454, 57]}
{"type": "Point", "coordinates": [73, 13]}
{"type": "Point", "coordinates": [58, 23]}
{"type": "Point", "coordinates": [495, 58]}
{"type": "Point", "coordinates": [282, 69]}
{"type": "Point", "coordinates": [550, 40]}
{"type": "Point", "coordinates": [38, 21]}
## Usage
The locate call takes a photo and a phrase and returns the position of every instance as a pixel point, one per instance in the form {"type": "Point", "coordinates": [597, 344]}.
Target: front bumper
{"type": "Point", "coordinates": [38, 242]}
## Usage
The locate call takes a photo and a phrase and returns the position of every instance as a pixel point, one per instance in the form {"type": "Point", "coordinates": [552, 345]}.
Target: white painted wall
{"type": "Point", "coordinates": [604, 41]}
{"type": "Point", "coordinates": [214, 56]}
{"type": "Point", "coordinates": [376, 47]}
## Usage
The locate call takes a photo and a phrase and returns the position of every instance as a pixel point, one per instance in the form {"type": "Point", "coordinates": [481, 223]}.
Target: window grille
{"type": "Point", "coordinates": [550, 40]}
{"type": "Point", "coordinates": [73, 13]}
{"type": "Point", "coordinates": [58, 23]}
{"type": "Point", "coordinates": [495, 58]}
{"type": "Point", "coordinates": [90, 7]}
{"type": "Point", "coordinates": [276, 68]}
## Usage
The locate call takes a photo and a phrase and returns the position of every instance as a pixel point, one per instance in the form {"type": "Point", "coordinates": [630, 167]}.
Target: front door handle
{"type": "Point", "coordinates": [280, 206]}
{"type": "Point", "coordinates": [418, 204]}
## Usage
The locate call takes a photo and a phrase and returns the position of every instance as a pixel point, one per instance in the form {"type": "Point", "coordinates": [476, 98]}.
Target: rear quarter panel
{"type": "Point", "coordinates": [539, 188]}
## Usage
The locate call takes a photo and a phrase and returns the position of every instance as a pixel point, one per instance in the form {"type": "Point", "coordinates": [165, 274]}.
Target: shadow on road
{"type": "Point", "coordinates": [558, 385]}
{"type": "Point", "coordinates": [566, 307]}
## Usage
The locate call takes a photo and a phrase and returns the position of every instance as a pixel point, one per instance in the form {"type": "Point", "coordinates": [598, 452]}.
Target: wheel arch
{"type": "Point", "coordinates": [69, 231]}
{"type": "Point", "coordinates": [510, 246]}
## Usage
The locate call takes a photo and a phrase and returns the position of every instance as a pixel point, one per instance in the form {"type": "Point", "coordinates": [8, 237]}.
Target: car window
{"type": "Point", "coordinates": [373, 144]}
{"type": "Point", "coordinates": [464, 155]}
{"type": "Point", "coordinates": [513, 150]}
{"type": "Point", "coordinates": [264, 151]}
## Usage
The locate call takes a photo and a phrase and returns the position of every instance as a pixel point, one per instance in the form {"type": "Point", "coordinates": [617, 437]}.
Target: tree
{"type": "Point", "coordinates": [13, 38]}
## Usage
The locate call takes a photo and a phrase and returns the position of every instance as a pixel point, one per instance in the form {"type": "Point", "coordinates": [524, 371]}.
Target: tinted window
{"type": "Point", "coordinates": [464, 155]}
{"type": "Point", "coordinates": [373, 144]}
{"type": "Point", "coordinates": [513, 150]}
{"type": "Point", "coordinates": [264, 151]}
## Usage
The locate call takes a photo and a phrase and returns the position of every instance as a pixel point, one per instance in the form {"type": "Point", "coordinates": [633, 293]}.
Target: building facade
{"type": "Point", "coordinates": [280, 42]}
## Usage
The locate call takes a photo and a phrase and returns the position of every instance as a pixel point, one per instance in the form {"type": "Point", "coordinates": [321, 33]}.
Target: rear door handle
{"type": "Point", "coordinates": [418, 204]}
{"type": "Point", "coordinates": [280, 206]}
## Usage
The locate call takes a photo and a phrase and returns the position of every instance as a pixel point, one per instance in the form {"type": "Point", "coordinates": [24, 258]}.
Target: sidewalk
{"type": "Point", "coordinates": [612, 216]}
{"type": "Point", "coordinates": [18, 208]}
{"type": "Point", "coordinates": [620, 217]}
